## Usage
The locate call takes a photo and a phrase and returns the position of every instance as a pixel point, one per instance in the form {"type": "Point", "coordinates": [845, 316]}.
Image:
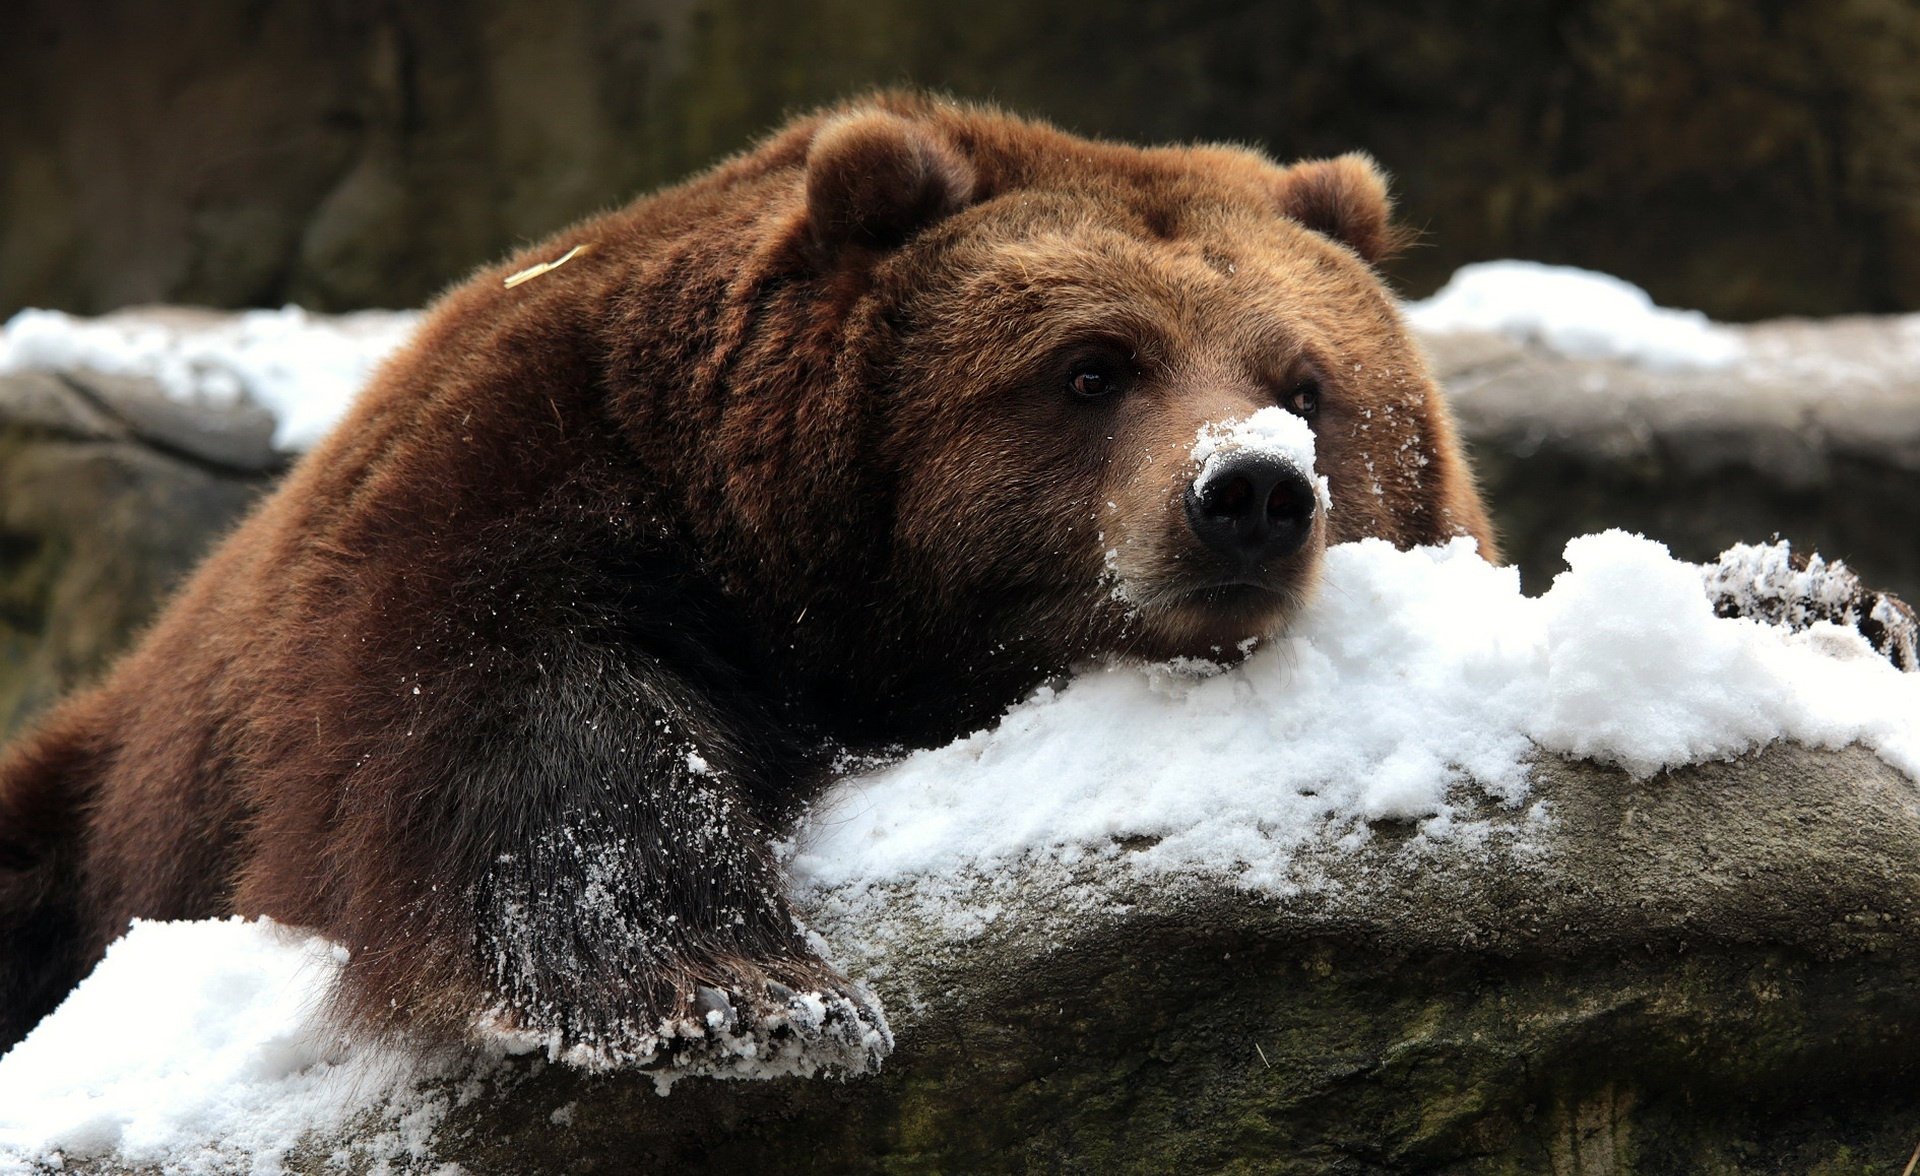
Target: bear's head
{"type": "Point", "coordinates": [951, 401]}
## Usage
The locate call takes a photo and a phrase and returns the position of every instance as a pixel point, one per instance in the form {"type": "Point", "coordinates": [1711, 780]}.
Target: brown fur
{"type": "Point", "coordinates": [783, 460]}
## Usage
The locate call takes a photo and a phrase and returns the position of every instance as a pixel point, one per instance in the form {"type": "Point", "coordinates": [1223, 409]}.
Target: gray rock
{"type": "Point", "coordinates": [235, 438]}
{"type": "Point", "coordinates": [109, 494]}
{"type": "Point", "coordinates": [1814, 435]}
{"type": "Point", "coordinates": [44, 404]}
{"type": "Point", "coordinates": [1714, 970]}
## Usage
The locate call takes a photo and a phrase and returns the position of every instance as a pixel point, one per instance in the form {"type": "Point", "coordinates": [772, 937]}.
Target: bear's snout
{"type": "Point", "coordinates": [1251, 508]}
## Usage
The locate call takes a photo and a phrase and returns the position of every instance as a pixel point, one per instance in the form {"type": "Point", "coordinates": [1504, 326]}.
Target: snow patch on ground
{"type": "Point", "coordinates": [196, 1046]}
{"type": "Point", "coordinates": [303, 368]}
{"type": "Point", "coordinates": [1576, 312]}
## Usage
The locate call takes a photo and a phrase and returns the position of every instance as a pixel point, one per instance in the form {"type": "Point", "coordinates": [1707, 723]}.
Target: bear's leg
{"type": "Point", "coordinates": [657, 923]}
{"type": "Point", "coordinates": [44, 946]}
{"type": "Point", "coordinates": [585, 858]}
{"type": "Point", "coordinates": [1771, 583]}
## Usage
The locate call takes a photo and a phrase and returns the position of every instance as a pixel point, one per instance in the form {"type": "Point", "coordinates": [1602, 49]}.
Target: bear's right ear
{"type": "Point", "coordinates": [1344, 198]}
{"type": "Point", "coordinates": [875, 179]}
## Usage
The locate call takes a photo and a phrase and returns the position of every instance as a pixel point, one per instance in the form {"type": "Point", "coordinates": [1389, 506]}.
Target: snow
{"type": "Point", "coordinates": [1576, 312]}
{"type": "Point", "coordinates": [303, 368]}
{"type": "Point", "coordinates": [195, 1045]}
{"type": "Point", "coordinates": [1272, 431]}
{"type": "Point", "coordinates": [1415, 684]}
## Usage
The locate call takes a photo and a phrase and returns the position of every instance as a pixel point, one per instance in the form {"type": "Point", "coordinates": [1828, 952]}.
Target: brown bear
{"type": "Point", "coordinates": [843, 445]}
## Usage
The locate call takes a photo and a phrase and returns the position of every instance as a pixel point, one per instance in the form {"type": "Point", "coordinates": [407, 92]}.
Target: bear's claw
{"type": "Point", "coordinates": [835, 1029]}
{"type": "Point", "coordinates": [1774, 584]}
{"type": "Point", "coordinates": [797, 1033]}
{"type": "Point", "coordinates": [715, 1010]}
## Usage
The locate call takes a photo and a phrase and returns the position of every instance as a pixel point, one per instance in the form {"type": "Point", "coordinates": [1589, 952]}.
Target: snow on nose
{"type": "Point", "coordinates": [1271, 433]}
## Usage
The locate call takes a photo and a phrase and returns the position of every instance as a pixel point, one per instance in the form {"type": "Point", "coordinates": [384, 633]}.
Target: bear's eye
{"type": "Point", "coordinates": [1096, 380]}
{"type": "Point", "coordinates": [1304, 400]}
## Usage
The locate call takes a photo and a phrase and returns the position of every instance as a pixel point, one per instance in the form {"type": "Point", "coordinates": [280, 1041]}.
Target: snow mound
{"type": "Point", "coordinates": [303, 368]}
{"type": "Point", "coordinates": [1415, 685]}
{"type": "Point", "coordinates": [196, 1046]}
{"type": "Point", "coordinates": [1576, 312]}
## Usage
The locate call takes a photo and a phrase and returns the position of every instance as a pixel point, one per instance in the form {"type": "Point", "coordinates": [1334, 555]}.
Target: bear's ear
{"type": "Point", "coordinates": [875, 179]}
{"type": "Point", "coordinates": [1346, 199]}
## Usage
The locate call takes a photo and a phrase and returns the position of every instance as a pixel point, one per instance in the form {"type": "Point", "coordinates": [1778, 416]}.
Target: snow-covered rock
{"type": "Point", "coordinates": [1678, 973]}
{"type": "Point", "coordinates": [302, 368]}
{"type": "Point", "coordinates": [1144, 858]}
{"type": "Point", "coordinates": [1812, 432]}
{"type": "Point", "coordinates": [1576, 313]}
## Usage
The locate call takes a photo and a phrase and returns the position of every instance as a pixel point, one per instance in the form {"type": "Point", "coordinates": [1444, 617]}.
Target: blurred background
{"type": "Point", "coordinates": [1749, 158]}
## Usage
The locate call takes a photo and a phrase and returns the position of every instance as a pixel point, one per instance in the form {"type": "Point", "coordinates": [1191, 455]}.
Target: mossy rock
{"type": "Point", "coordinates": [109, 494]}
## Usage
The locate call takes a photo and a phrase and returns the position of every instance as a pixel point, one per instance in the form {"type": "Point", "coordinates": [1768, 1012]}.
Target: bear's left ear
{"type": "Point", "coordinates": [1344, 198]}
{"type": "Point", "coordinates": [875, 179]}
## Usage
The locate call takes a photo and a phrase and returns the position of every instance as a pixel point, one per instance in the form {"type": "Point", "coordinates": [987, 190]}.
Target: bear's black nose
{"type": "Point", "coordinates": [1251, 507]}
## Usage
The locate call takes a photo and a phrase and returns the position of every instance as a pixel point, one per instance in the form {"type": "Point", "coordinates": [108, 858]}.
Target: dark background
{"type": "Point", "coordinates": [1746, 157]}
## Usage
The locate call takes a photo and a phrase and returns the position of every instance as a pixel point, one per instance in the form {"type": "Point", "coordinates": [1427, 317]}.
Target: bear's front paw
{"type": "Point", "coordinates": [1768, 582]}
{"type": "Point", "coordinates": [830, 1029]}
{"type": "Point", "coordinates": [833, 1027]}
